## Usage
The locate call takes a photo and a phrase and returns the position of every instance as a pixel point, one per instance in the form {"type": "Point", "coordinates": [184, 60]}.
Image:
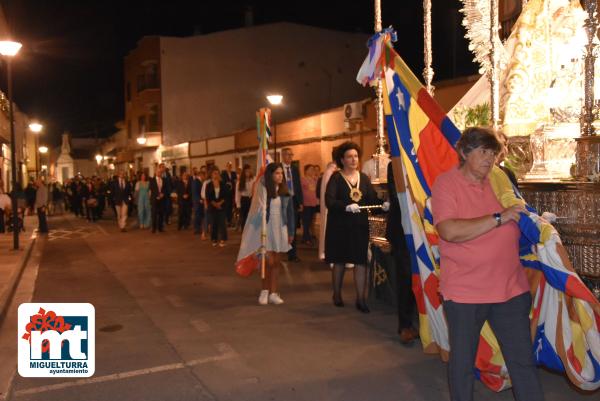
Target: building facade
{"type": "Point", "coordinates": [192, 101]}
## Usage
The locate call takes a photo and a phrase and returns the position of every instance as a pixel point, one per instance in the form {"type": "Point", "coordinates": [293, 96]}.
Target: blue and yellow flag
{"type": "Point", "coordinates": [565, 316]}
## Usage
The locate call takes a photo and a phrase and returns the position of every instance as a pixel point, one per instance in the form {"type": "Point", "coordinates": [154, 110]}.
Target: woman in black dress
{"type": "Point", "coordinates": [347, 233]}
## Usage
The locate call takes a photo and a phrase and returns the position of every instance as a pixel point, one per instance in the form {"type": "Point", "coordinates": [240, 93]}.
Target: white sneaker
{"type": "Point", "coordinates": [263, 298]}
{"type": "Point", "coordinates": [275, 299]}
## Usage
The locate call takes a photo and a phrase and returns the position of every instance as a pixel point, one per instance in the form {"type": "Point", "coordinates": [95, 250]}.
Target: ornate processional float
{"type": "Point", "coordinates": [565, 315]}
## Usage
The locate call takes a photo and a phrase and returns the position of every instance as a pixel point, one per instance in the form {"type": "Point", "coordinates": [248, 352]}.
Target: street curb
{"type": "Point", "coordinates": [13, 282]}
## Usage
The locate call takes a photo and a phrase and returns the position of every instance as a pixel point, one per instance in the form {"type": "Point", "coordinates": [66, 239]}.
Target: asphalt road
{"type": "Point", "coordinates": [174, 322]}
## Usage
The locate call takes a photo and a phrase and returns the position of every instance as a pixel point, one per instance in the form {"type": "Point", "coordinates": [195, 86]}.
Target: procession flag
{"type": "Point", "coordinates": [565, 316]}
{"type": "Point", "coordinates": [253, 242]}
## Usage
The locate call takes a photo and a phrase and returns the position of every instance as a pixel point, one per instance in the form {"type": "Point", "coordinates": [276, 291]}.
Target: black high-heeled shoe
{"type": "Point", "coordinates": [338, 301]}
{"type": "Point", "coordinates": [362, 306]}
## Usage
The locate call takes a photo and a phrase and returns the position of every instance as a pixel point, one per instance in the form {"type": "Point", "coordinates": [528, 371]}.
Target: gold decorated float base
{"type": "Point", "coordinates": [577, 207]}
{"type": "Point", "coordinates": [588, 156]}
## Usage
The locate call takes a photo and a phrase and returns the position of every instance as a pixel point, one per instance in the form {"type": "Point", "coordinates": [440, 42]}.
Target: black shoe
{"type": "Point", "coordinates": [338, 302]}
{"type": "Point", "coordinates": [362, 306]}
{"type": "Point", "coordinates": [295, 259]}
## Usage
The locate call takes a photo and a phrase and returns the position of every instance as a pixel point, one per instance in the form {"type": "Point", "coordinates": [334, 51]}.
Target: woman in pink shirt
{"type": "Point", "coordinates": [310, 201]}
{"type": "Point", "coordinates": [481, 277]}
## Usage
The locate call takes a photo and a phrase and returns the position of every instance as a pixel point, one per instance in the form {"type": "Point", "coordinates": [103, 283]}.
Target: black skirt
{"type": "Point", "coordinates": [347, 234]}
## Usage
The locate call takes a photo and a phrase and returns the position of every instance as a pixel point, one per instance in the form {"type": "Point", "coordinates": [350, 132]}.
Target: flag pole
{"type": "Point", "coordinates": [266, 116]}
{"type": "Point", "coordinates": [380, 136]}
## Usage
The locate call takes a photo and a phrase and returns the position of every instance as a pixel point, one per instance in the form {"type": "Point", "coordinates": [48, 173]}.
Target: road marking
{"type": "Point", "coordinates": [226, 352]}
{"type": "Point", "coordinates": [102, 229]}
{"type": "Point", "coordinates": [200, 325]}
{"type": "Point", "coordinates": [156, 282]}
{"type": "Point", "coordinates": [80, 232]}
{"type": "Point", "coordinates": [175, 301]}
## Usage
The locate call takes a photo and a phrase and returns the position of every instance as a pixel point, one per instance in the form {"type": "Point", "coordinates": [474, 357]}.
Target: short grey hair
{"type": "Point", "coordinates": [476, 137]}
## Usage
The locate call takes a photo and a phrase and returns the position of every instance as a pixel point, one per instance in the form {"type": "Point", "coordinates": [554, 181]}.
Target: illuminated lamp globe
{"type": "Point", "coordinates": [275, 100]}
{"type": "Point", "coordinates": [36, 127]}
{"type": "Point", "coordinates": [9, 48]}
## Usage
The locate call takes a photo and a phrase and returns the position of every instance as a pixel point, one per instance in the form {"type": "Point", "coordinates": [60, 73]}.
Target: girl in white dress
{"type": "Point", "coordinates": [280, 227]}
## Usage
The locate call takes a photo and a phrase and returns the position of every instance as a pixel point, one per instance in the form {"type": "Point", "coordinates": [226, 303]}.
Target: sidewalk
{"type": "Point", "coordinates": [12, 262]}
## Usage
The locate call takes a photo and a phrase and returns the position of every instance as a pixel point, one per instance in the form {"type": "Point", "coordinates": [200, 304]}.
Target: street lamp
{"type": "Point", "coordinates": [9, 49]}
{"type": "Point", "coordinates": [36, 128]}
{"type": "Point", "coordinates": [142, 139]}
{"type": "Point", "coordinates": [99, 158]}
{"type": "Point", "coordinates": [275, 100]}
{"type": "Point", "coordinates": [43, 150]}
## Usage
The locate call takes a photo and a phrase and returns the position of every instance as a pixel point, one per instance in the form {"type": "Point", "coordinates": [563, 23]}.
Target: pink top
{"type": "Point", "coordinates": [309, 191]}
{"type": "Point", "coordinates": [486, 269]}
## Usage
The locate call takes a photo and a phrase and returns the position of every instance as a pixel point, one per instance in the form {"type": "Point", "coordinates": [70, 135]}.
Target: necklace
{"type": "Point", "coordinates": [355, 193]}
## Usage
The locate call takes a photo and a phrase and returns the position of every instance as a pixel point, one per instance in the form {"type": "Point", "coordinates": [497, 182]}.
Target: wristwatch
{"type": "Point", "coordinates": [498, 218]}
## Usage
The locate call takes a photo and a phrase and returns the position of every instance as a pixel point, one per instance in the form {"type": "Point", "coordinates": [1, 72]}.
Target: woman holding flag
{"type": "Point", "coordinates": [273, 194]}
{"type": "Point", "coordinates": [481, 274]}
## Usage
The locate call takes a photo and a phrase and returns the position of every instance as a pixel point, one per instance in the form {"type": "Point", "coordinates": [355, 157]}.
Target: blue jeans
{"type": "Point", "coordinates": [510, 322]}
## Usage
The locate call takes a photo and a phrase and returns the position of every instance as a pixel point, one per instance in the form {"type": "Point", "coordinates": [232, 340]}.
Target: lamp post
{"type": "Point", "coordinates": [9, 49]}
{"type": "Point", "coordinates": [42, 151]}
{"type": "Point", "coordinates": [36, 128]}
{"type": "Point", "coordinates": [274, 100]}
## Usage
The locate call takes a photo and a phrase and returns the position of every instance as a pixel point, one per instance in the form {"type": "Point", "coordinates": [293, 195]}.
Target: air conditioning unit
{"type": "Point", "coordinates": [354, 111]}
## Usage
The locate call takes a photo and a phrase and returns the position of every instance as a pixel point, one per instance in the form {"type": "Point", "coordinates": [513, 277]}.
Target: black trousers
{"type": "Point", "coordinates": [185, 215]}
{"type": "Point", "coordinates": [158, 215]}
{"type": "Point", "coordinates": [245, 203]}
{"type": "Point", "coordinates": [218, 225]}
{"type": "Point", "coordinates": [510, 322]}
{"type": "Point", "coordinates": [2, 227]}
{"type": "Point", "coordinates": [77, 206]}
{"type": "Point", "coordinates": [198, 217]}
{"type": "Point", "coordinates": [406, 297]}
{"type": "Point", "coordinates": [308, 213]}
{"type": "Point", "coordinates": [42, 222]}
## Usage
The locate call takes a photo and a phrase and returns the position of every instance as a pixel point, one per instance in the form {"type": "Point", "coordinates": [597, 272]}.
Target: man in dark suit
{"type": "Point", "coordinates": [292, 179]}
{"type": "Point", "coordinates": [197, 202]}
{"type": "Point", "coordinates": [121, 196]}
{"type": "Point", "coordinates": [168, 187]}
{"type": "Point", "coordinates": [159, 192]}
{"type": "Point", "coordinates": [229, 178]}
{"type": "Point", "coordinates": [395, 235]}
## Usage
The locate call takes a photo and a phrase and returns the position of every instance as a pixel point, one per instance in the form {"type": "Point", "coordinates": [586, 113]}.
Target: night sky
{"type": "Point", "coordinates": [69, 74]}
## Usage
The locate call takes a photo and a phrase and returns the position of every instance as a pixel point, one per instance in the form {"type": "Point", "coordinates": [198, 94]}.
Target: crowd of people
{"type": "Point", "coordinates": [206, 200]}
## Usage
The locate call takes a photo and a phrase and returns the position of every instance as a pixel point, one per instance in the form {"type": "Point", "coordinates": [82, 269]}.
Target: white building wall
{"type": "Point", "coordinates": [213, 84]}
